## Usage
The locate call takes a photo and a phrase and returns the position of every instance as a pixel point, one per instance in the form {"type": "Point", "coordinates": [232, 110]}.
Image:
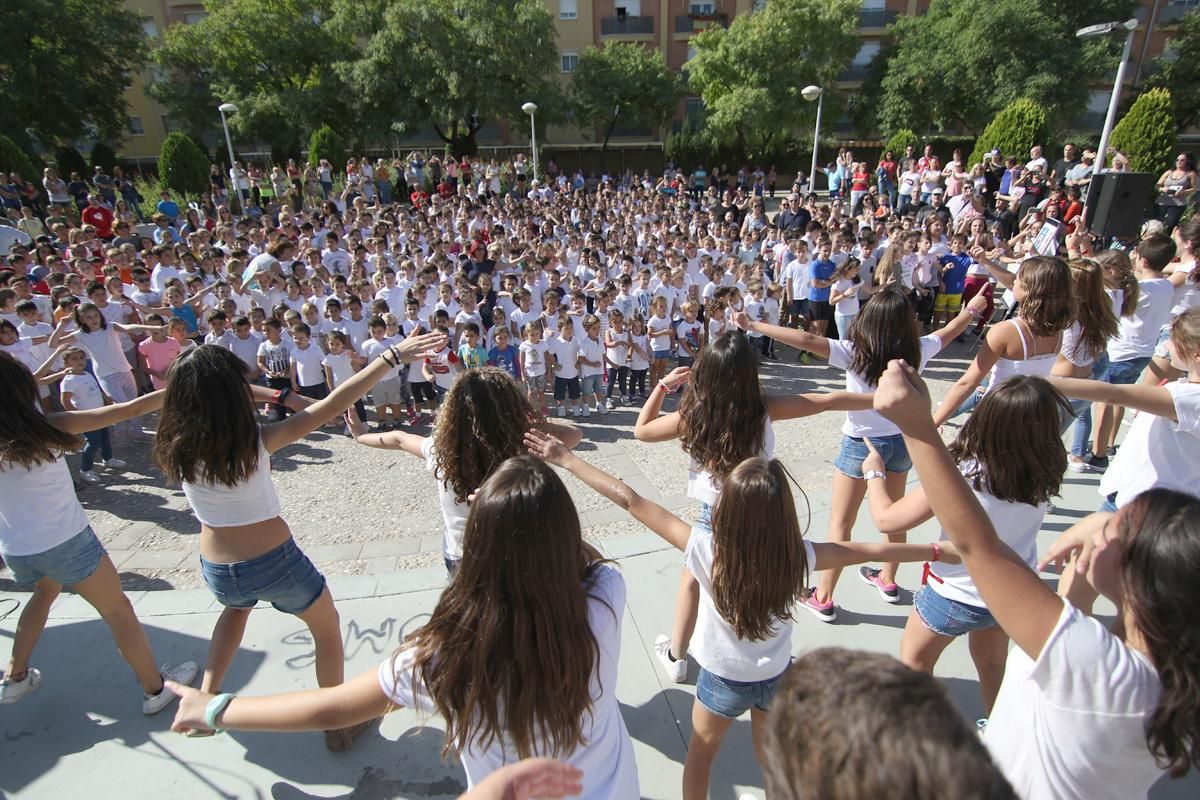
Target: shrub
{"type": "Point", "coordinates": [327, 144]}
{"type": "Point", "coordinates": [181, 166]}
{"type": "Point", "coordinates": [900, 140]}
{"type": "Point", "coordinates": [1018, 127]}
{"type": "Point", "coordinates": [13, 159]}
{"type": "Point", "coordinates": [103, 156]}
{"type": "Point", "coordinates": [1146, 134]}
{"type": "Point", "coordinates": [67, 160]}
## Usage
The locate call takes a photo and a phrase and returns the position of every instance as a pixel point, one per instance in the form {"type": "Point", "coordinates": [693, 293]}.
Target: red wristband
{"type": "Point", "coordinates": [937, 551]}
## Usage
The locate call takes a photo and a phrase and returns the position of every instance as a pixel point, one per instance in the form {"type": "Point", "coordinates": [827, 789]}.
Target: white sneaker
{"type": "Point", "coordinates": [88, 476]}
{"type": "Point", "coordinates": [676, 669]}
{"type": "Point", "coordinates": [115, 463]}
{"type": "Point", "coordinates": [624, 400]}
{"type": "Point", "coordinates": [587, 412]}
{"type": "Point", "coordinates": [608, 404]}
{"type": "Point", "coordinates": [182, 674]}
{"type": "Point", "coordinates": [576, 412]}
{"type": "Point", "coordinates": [601, 409]}
{"type": "Point", "coordinates": [11, 691]}
{"type": "Point", "coordinates": [561, 411]}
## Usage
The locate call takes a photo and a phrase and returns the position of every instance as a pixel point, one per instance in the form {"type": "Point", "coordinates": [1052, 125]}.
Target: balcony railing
{"type": "Point", "coordinates": [876, 17]}
{"type": "Point", "coordinates": [854, 72]}
{"type": "Point", "coordinates": [622, 26]}
{"type": "Point", "coordinates": [693, 23]}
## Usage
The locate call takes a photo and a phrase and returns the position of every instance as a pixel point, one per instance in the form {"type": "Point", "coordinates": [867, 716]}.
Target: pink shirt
{"type": "Point", "coordinates": [159, 356]}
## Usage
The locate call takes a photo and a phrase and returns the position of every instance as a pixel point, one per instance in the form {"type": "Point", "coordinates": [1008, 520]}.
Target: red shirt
{"type": "Point", "coordinates": [100, 218]}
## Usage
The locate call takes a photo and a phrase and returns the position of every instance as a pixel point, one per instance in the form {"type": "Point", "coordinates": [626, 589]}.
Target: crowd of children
{"type": "Point", "coordinates": [485, 318]}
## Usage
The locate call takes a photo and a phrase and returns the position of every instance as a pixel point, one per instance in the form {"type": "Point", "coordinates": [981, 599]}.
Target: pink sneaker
{"type": "Point", "coordinates": [888, 591]}
{"type": "Point", "coordinates": [826, 612]}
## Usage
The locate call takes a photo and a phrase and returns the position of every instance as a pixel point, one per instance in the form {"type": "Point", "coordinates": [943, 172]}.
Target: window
{"type": "Point", "coordinates": [866, 52]}
{"type": "Point", "coordinates": [702, 8]}
{"type": "Point", "coordinates": [149, 27]}
{"type": "Point", "coordinates": [568, 9]}
{"type": "Point", "coordinates": [873, 5]}
{"type": "Point", "coordinates": [135, 127]}
{"type": "Point", "coordinates": [192, 17]}
{"type": "Point", "coordinates": [630, 8]}
{"type": "Point", "coordinates": [759, 5]}
{"type": "Point", "coordinates": [569, 60]}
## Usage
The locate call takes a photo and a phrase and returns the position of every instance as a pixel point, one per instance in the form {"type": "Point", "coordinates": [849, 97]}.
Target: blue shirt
{"type": "Point", "coordinates": [821, 271]}
{"type": "Point", "coordinates": [954, 278]}
{"type": "Point", "coordinates": [508, 359]}
{"type": "Point", "coordinates": [168, 208]}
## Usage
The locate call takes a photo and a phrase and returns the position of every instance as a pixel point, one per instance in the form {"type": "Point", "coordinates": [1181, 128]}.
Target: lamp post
{"type": "Point", "coordinates": [1104, 29]}
{"type": "Point", "coordinates": [811, 93]}
{"type": "Point", "coordinates": [230, 108]}
{"type": "Point", "coordinates": [531, 110]}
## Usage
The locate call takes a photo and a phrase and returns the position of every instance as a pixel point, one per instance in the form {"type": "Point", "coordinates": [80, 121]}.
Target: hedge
{"type": "Point", "coordinates": [1017, 128]}
{"type": "Point", "coordinates": [1147, 133]}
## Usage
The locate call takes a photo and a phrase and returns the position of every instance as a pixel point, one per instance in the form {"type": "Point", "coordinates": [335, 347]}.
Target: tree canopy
{"type": "Point", "coordinates": [182, 167]}
{"type": "Point", "coordinates": [66, 66]}
{"type": "Point", "coordinates": [750, 75]}
{"type": "Point", "coordinates": [623, 82]}
{"type": "Point", "coordinates": [1178, 71]}
{"type": "Point", "coordinates": [1147, 133]}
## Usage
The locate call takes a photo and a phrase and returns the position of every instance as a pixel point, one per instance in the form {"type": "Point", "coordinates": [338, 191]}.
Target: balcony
{"type": "Point", "coordinates": [627, 26]}
{"type": "Point", "coordinates": [694, 23]}
{"type": "Point", "coordinates": [876, 17]}
{"type": "Point", "coordinates": [854, 73]}
{"type": "Point", "coordinates": [1173, 13]}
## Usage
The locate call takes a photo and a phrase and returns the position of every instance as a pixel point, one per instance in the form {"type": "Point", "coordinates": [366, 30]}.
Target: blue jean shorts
{"type": "Point", "coordinates": [731, 699]}
{"type": "Point", "coordinates": [854, 451]}
{"type": "Point", "coordinates": [1126, 372]}
{"type": "Point", "coordinates": [704, 522]}
{"type": "Point", "coordinates": [591, 384]}
{"type": "Point", "coordinates": [283, 577]}
{"type": "Point", "coordinates": [69, 563]}
{"type": "Point", "coordinates": [947, 617]}
{"type": "Point", "coordinates": [660, 355]}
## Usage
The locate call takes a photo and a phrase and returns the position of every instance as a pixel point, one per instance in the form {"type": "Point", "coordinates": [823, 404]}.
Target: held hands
{"type": "Point", "coordinates": [192, 704]}
{"type": "Point", "coordinates": [902, 397]}
{"type": "Point", "coordinates": [742, 320]}
{"type": "Point", "coordinates": [546, 447]}
{"type": "Point", "coordinates": [531, 779]}
{"type": "Point", "coordinates": [355, 423]}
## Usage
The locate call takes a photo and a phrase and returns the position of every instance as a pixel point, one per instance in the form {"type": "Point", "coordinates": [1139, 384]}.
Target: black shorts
{"type": "Point", "coordinates": [318, 391]}
{"type": "Point", "coordinates": [800, 308]}
{"type": "Point", "coordinates": [566, 387]}
{"type": "Point", "coordinates": [821, 310]}
{"type": "Point", "coordinates": [423, 391]}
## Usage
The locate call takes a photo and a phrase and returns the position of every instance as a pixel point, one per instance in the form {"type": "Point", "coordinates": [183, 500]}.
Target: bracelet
{"type": "Point", "coordinates": [663, 385]}
{"type": "Point", "coordinates": [975, 314]}
{"type": "Point", "coordinates": [384, 358]}
{"type": "Point", "coordinates": [395, 355]}
{"type": "Point", "coordinates": [215, 708]}
{"type": "Point", "coordinates": [282, 394]}
{"type": "Point", "coordinates": [937, 551]}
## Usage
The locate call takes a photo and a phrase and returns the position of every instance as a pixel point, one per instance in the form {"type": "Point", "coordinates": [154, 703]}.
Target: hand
{"type": "Point", "coordinates": [873, 462]}
{"type": "Point", "coordinates": [192, 704]}
{"type": "Point", "coordinates": [949, 553]}
{"type": "Point", "coordinates": [979, 254]}
{"type": "Point", "coordinates": [355, 423]}
{"type": "Point", "coordinates": [677, 377]}
{"type": "Point", "coordinates": [902, 397]}
{"type": "Point", "coordinates": [541, 778]}
{"type": "Point", "coordinates": [978, 304]}
{"type": "Point", "coordinates": [742, 320]}
{"type": "Point", "coordinates": [415, 348]}
{"type": "Point", "coordinates": [547, 447]}
{"type": "Point", "coordinates": [1077, 542]}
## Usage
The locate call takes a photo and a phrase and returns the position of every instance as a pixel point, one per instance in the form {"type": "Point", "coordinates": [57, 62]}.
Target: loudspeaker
{"type": "Point", "coordinates": [1116, 205]}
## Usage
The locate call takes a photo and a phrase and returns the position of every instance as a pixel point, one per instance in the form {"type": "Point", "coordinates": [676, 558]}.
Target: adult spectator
{"type": "Point", "coordinates": [1070, 158]}
{"type": "Point", "coordinates": [885, 174]}
{"type": "Point", "coordinates": [98, 216]}
{"type": "Point", "coordinates": [1036, 161]}
{"type": "Point", "coordinates": [934, 208]}
{"type": "Point", "coordinates": [78, 189]}
{"type": "Point", "coordinates": [1080, 175]}
{"type": "Point", "coordinates": [793, 216]}
{"type": "Point", "coordinates": [105, 186]}
{"type": "Point", "coordinates": [1176, 187]}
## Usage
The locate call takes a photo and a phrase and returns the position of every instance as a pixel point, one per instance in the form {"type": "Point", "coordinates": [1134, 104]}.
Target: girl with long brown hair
{"type": "Point", "coordinates": [210, 441]}
{"type": "Point", "coordinates": [885, 329]}
{"type": "Point", "coordinates": [482, 423]}
{"type": "Point", "coordinates": [519, 655]}
{"type": "Point", "coordinates": [724, 417]}
{"type": "Point", "coordinates": [752, 566]}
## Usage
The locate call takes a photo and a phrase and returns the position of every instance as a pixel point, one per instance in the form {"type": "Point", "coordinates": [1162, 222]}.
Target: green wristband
{"type": "Point", "coordinates": [215, 708]}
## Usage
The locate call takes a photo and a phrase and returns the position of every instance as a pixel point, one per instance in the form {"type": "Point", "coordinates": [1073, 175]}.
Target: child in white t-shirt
{"type": "Point", "coordinates": [533, 362]}
{"type": "Point", "coordinates": [80, 391]}
{"type": "Point", "coordinates": [564, 349]}
{"type": "Point", "coordinates": [844, 296]}
{"type": "Point", "coordinates": [689, 335]}
{"type": "Point", "coordinates": [307, 372]}
{"type": "Point", "coordinates": [340, 364]}
{"type": "Point", "coordinates": [639, 359]}
{"type": "Point", "coordinates": [591, 366]}
{"type": "Point", "coordinates": [442, 367]}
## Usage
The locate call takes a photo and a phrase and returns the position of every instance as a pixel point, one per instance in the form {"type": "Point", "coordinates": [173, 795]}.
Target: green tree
{"type": "Point", "coordinates": [1147, 132]}
{"type": "Point", "coordinates": [900, 140]}
{"type": "Point", "coordinates": [327, 144]}
{"type": "Point", "coordinates": [272, 58]}
{"type": "Point", "coordinates": [103, 156]}
{"type": "Point", "coordinates": [182, 167]}
{"type": "Point", "coordinates": [750, 75]}
{"type": "Point", "coordinates": [937, 62]}
{"type": "Point", "coordinates": [1014, 130]}
{"type": "Point", "coordinates": [67, 160]}
{"type": "Point", "coordinates": [452, 64]}
{"type": "Point", "coordinates": [13, 159]}
{"type": "Point", "coordinates": [66, 65]}
{"type": "Point", "coordinates": [623, 82]}
{"type": "Point", "coordinates": [1178, 71]}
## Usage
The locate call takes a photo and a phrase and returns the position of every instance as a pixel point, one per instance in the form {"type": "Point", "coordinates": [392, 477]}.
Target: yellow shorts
{"type": "Point", "coordinates": [948, 302]}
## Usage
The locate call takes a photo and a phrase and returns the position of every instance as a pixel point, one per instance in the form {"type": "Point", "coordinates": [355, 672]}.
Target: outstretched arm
{"type": "Point", "coordinates": [782, 407]}
{"type": "Point", "coordinates": [650, 427]}
{"type": "Point", "coordinates": [1151, 399]}
{"type": "Point", "coordinates": [817, 345]}
{"type": "Point", "coordinates": [97, 418]}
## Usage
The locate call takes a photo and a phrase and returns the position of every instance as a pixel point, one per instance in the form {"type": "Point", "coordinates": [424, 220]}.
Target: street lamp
{"type": "Point", "coordinates": [230, 108]}
{"type": "Point", "coordinates": [1104, 29]}
{"type": "Point", "coordinates": [811, 93]}
{"type": "Point", "coordinates": [531, 109]}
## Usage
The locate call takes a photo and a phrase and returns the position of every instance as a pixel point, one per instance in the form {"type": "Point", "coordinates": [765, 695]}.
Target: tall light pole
{"type": "Point", "coordinates": [531, 110]}
{"type": "Point", "coordinates": [1104, 29]}
{"type": "Point", "coordinates": [230, 108]}
{"type": "Point", "coordinates": [811, 93]}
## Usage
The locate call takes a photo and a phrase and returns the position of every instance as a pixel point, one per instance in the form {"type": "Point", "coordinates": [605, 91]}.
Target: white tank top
{"type": "Point", "coordinates": [704, 487]}
{"type": "Point", "coordinates": [253, 500]}
{"type": "Point", "coordinates": [1038, 364]}
{"type": "Point", "coordinates": [28, 528]}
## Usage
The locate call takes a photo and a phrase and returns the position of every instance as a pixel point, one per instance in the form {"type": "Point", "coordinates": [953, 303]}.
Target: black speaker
{"type": "Point", "coordinates": [1116, 204]}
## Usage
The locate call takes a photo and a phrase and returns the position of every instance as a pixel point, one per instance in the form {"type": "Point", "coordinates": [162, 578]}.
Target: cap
{"type": "Point", "coordinates": [938, 190]}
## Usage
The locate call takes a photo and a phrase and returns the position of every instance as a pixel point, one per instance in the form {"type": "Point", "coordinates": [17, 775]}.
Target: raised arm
{"type": "Point", "coordinates": [97, 418]}
{"type": "Point", "coordinates": [817, 345]}
{"type": "Point", "coordinates": [1025, 607]}
{"type": "Point", "coordinates": [793, 406]}
{"type": "Point", "coordinates": [650, 427]}
{"type": "Point", "coordinates": [985, 359]}
{"type": "Point", "coordinates": [671, 528]}
{"type": "Point", "coordinates": [997, 270]}
{"type": "Point", "coordinates": [1151, 399]}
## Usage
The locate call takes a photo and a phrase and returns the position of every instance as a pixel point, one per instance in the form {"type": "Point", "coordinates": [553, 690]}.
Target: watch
{"type": "Point", "coordinates": [873, 474]}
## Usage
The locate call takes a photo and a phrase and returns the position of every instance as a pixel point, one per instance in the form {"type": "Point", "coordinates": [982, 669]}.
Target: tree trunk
{"type": "Point", "coordinates": [604, 146]}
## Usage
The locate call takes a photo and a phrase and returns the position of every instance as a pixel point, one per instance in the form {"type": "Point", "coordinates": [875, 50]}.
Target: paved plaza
{"type": "Point", "coordinates": [370, 519]}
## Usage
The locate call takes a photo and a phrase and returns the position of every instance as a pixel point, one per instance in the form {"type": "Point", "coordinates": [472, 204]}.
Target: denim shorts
{"type": "Point", "coordinates": [1126, 372]}
{"type": "Point", "coordinates": [854, 451]}
{"type": "Point", "coordinates": [731, 699]}
{"type": "Point", "coordinates": [69, 563]}
{"type": "Point", "coordinates": [947, 617]}
{"type": "Point", "coordinates": [660, 355]}
{"type": "Point", "coordinates": [1160, 346]}
{"type": "Point", "coordinates": [704, 522]}
{"type": "Point", "coordinates": [283, 577]}
{"type": "Point", "coordinates": [592, 384]}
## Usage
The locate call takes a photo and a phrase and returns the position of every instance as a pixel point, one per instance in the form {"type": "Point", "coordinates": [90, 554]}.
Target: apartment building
{"type": "Point", "coordinates": [666, 25]}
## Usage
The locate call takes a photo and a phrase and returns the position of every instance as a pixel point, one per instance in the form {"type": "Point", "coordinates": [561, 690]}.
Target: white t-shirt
{"type": "Point", "coordinates": [715, 646]}
{"type": "Point", "coordinates": [847, 306]}
{"type": "Point", "coordinates": [757, 312]}
{"type": "Point", "coordinates": [567, 355]}
{"type": "Point", "coordinates": [1072, 724]}
{"type": "Point", "coordinates": [246, 349]}
{"type": "Point", "coordinates": [703, 486]}
{"type": "Point", "coordinates": [454, 513]}
{"type": "Point", "coordinates": [639, 361]}
{"type": "Point", "coordinates": [1138, 333]}
{"type": "Point", "coordinates": [340, 367]}
{"type": "Point", "coordinates": [372, 348]}
{"type": "Point", "coordinates": [84, 390]}
{"type": "Point", "coordinates": [103, 346]}
{"type": "Point", "coordinates": [796, 273]}
{"type": "Point", "coordinates": [871, 424]}
{"type": "Point", "coordinates": [533, 358]}
{"type": "Point", "coordinates": [28, 528]}
{"type": "Point", "coordinates": [309, 371]}
{"type": "Point", "coordinates": [690, 332]}
{"type": "Point", "coordinates": [606, 761]}
{"type": "Point", "coordinates": [592, 350]}
{"type": "Point", "coordinates": [1159, 453]}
